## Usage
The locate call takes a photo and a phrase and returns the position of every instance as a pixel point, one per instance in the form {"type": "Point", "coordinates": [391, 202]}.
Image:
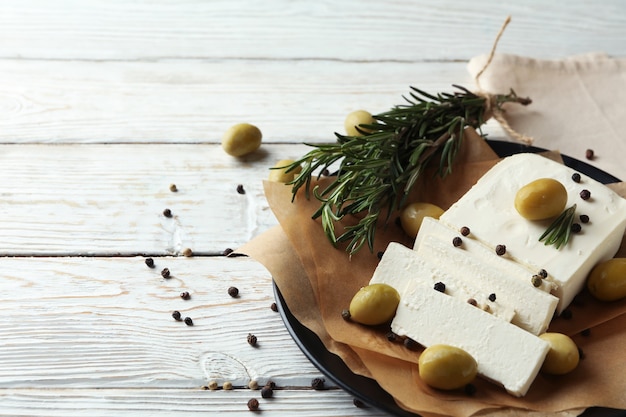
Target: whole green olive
{"type": "Point", "coordinates": [541, 199]}
{"type": "Point", "coordinates": [412, 216]}
{"type": "Point", "coordinates": [374, 304]}
{"type": "Point", "coordinates": [447, 367]}
{"type": "Point", "coordinates": [607, 280]}
{"type": "Point", "coordinates": [279, 174]}
{"type": "Point", "coordinates": [563, 355]}
{"type": "Point", "coordinates": [356, 118]}
{"type": "Point", "coordinates": [241, 139]}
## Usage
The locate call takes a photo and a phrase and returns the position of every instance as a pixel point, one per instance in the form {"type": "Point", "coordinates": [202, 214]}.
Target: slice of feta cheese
{"type": "Point", "coordinates": [505, 353]}
{"type": "Point", "coordinates": [533, 307]}
{"type": "Point", "coordinates": [401, 267]}
{"type": "Point", "coordinates": [488, 210]}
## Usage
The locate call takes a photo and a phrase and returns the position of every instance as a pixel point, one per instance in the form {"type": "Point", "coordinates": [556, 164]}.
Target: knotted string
{"type": "Point", "coordinates": [491, 105]}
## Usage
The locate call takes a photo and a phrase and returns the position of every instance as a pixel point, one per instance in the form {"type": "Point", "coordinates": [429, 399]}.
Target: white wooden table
{"type": "Point", "coordinates": [105, 103]}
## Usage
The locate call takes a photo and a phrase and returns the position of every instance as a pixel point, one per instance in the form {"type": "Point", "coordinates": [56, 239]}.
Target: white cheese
{"type": "Point", "coordinates": [504, 353]}
{"type": "Point", "coordinates": [401, 267]}
{"type": "Point", "coordinates": [474, 263]}
{"type": "Point", "coordinates": [488, 210]}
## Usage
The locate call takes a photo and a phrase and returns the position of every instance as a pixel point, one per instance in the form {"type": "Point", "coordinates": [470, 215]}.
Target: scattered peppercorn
{"type": "Point", "coordinates": [318, 383]}
{"type": "Point", "coordinates": [165, 273]}
{"type": "Point", "coordinates": [233, 292]}
{"type": "Point", "coordinates": [150, 262]}
{"type": "Point", "coordinates": [271, 384]}
{"type": "Point", "coordinates": [500, 250]}
{"type": "Point", "coordinates": [187, 252]}
{"type": "Point", "coordinates": [274, 307]}
{"type": "Point", "coordinates": [492, 297]}
{"type": "Point", "coordinates": [410, 344]}
{"type": "Point", "coordinates": [173, 188]}
{"type": "Point", "coordinates": [543, 273]}
{"type": "Point", "coordinates": [358, 403]}
{"type": "Point", "coordinates": [584, 218]}
{"type": "Point", "coordinates": [227, 251]}
{"type": "Point", "coordinates": [472, 301]}
{"type": "Point", "coordinates": [576, 228]}
{"type": "Point", "coordinates": [167, 212]}
{"type": "Point", "coordinates": [267, 392]}
{"type": "Point", "coordinates": [589, 154]}
{"type": "Point", "coordinates": [253, 404]}
{"type": "Point", "coordinates": [345, 314]}
{"type": "Point", "coordinates": [185, 295]}
{"type": "Point", "coordinates": [380, 255]}
{"type": "Point", "coordinates": [536, 280]}
{"type": "Point", "coordinates": [465, 230]}
{"type": "Point", "coordinates": [391, 336]}
{"type": "Point", "coordinates": [470, 389]}
{"type": "Point", "coordinates": [176, 315]}
{"type": "Point", "coordinates": [457, 241]}
{"type": "Point", "coordinates": [227, 385]}
{"type": "Point", "coordinates": [188, 321]}
{"type": "Point", "coordinates": [566, 314]}
{"type": "Point", "coordinates": [325, 172]}
{"type": "Point", "coordinates": [585, 194]}
{"type": "Point", "coordinates": [212, 385]}
{"type": "Point", "coordinates": [440, 286]}
{"type": "Point", "coordinates": [240, 189]}
{"type": "Point", "coordinates": [576, 177]}
{"type": "Point", "coordinates": [253, 384]}
{"type": "Point", "coordinates": [252, 339]}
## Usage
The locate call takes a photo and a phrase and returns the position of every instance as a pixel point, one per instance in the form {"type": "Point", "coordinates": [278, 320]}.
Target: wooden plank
{"type": "Point", "coordinates": [196, 101]}
{"type": "Point", "coordinates": [348, 30]}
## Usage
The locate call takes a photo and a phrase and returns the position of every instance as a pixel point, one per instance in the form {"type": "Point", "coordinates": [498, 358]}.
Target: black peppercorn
{"type": "Point", "coordinates": [470, 389]}
{"type": "Point", "coordinates": [576, 177]}
{"type": "Point", "coordinates": [589, 154]}
{"type": "Point", "coordinates": [274, 307]}
{"type": "Point", "coordinates": [167, 212]}
{"type": "Point", "coordinates": [576, 228]}
{"type": "Point", "coordinates": [227, 251]}
{"type": "Point", "coordinates": [472, 301]}
{"type": "Point", "coordinates": [440, 286]}
{"type": "Point", "coordinates": [253, 404]}
{"type": "Point", "coordinates": [492, 297]}
{"type": "Point", "coordinates": [410, 344]}
{"type": "Point", "coordinates": [240, 189]}
{"type": "Point", "coordinates": [465, 230]}
{"type": "Point", "coordinates": [392, 337]}
{"type": "Point", "coordinates": [188, 321]}
{"type": "Point", "coordinates": [271, 384]}
{"type": "Point", "coordinates": [267, 392]}
{"type": "Point", "coordinates": [500, 250]}
{"type": "Point", "coordinates": [457, 241]}
{"type": "Point", "coordinates": [584, 218]}
{"type": "Point", "coordinates": [318, 384]}
{"type": "Point", "coordinates": [345, 314]}
{"type": "Point", "coordinates": [536, 280]}
{"type": "Point", "coordinates": [380, 255]}
{"type": "Point", "coordinates": [252, 340]}
{"type": "Point", "coordinates": [176, 315]}
{"type": "Point", "coordinates": [173, 188]}
{"type": "Point", "coordinates": [185, 295]}
{"type": "Point", "coordinates": [585, 194]}
{"type": "Point", "coordinates": [165, 273]}
{"type": "Point", "coordinates": [150, 262]}
{"type": "Point", "coordinates": [233, 292]}
{"type": "Point", "coordinates": [543, 273]}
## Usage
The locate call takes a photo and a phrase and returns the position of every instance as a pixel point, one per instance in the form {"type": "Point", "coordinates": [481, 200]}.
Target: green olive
{"type": "Point", "coordinates": [374, 304]}
{"type": "Point", "coordinates": [563, 355]}
{"type": "Point", "coordinates": [412, 216]}
{"type": "Point", "coordinates": [356, 118]}
{"type": "Point", "coordinates": [447, 367]}
{"type": "Point", "coordinates": [607, 280]}
{"type": "Point", "coordinates": [241, 139]}
{"type": "Point", "coordinates": [279, 174]}
{"type": "Point", "coordinates": [541, 199]}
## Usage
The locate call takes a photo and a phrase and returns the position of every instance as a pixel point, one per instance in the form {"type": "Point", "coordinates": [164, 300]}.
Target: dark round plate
{"type": "Point", "coordinates": [366, 389]}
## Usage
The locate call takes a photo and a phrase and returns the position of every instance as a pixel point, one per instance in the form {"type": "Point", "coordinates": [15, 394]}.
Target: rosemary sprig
{"type": "Point", "coordinates": [558, 233]}
{"type": "Point", "coordinates": [378, 169]}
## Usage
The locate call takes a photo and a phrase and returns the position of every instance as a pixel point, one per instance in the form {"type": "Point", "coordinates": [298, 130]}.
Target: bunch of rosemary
{"type": "Point", "coordinates": [378, 169]}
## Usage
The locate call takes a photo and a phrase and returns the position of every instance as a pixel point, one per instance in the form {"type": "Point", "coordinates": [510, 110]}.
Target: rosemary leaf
{"type": "Point", "coordinates": [559, 231]}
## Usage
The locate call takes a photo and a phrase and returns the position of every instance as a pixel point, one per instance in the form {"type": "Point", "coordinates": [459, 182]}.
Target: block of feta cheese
{"type": "Point", "coordinates": [488, 210]}
{"type": "Point", "coordinates": [473, 262]}
{"type": "Point", "coordinates": [401, 267]}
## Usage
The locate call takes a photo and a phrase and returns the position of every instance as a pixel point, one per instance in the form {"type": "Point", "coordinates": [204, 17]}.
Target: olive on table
{"type": "Point", "coordinates": [241, 139]}
{"type": "Point", "coordinates": [374, 304]}
{"type": "Point", "coordinates": [607, 280]}
{"type": "Point", "coordinates": [541, 199]}
{"type": "Point", "coordinates": [412, 216]}
{"type": "Point", "coordinates": [357, 118]}
{"type": "Point", "coordinates": [563, 356]}
{"type": "Point", "coordinates": [447, 367]}
{"type": "Point", "coordinates": [278, 173]}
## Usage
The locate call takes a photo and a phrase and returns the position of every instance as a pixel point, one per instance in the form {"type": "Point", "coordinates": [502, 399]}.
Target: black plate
{"type": "Point", "coordinates": [366, 389]}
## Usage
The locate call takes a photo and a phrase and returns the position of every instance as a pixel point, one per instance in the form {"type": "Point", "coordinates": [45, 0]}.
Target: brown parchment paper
{"type": "Point", "coordinates": [318, 282]}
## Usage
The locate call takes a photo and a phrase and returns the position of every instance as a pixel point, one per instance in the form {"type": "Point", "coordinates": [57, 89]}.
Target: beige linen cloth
{"type": "Point", "coordinates": [579, 103]}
